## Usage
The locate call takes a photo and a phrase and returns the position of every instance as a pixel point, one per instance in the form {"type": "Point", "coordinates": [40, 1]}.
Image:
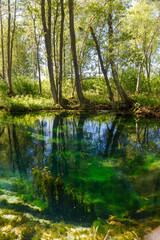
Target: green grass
{"type": "Point", "coordinates": [27, 96]}
{"type": "Point", "coordinates": [27, 103]}
{"type": "Point", "coordinates": [96, 98]}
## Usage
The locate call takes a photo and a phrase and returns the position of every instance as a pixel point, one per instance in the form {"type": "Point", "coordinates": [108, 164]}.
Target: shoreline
{"type": "Point", "coordinates": [147, 112]}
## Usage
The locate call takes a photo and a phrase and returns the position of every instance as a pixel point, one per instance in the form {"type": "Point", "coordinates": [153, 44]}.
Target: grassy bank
{"type": "Point", "coordinates": [27, 96]}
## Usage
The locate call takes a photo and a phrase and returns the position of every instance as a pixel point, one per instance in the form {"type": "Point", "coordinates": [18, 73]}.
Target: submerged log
{"type": "Point", "coordinates": [155, 235]}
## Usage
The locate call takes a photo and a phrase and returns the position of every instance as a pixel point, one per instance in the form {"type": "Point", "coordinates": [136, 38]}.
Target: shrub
{"type": "Point", "coordinates": [23, 85]}
{"type": "Point", "coordinates": [155, 86]}
{"type": "Point", "coordinates": [145, 99]}
{"type": "Point", "coordinates": [98, 85]}
{"type": "Point", "coordinates": [3, 87]}
{"type": "Point", "coordinates": [129, 81]}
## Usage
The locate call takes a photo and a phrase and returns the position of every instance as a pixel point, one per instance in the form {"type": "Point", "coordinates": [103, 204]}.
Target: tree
{"type": "Point", "coordinates": [47, 36]}
{"type": "Point", "coordinates": [102, 66]}
{"type": "Point", "coordinates": [145, 57]}
{"type": "Point", "coordinates": [2, 42]}
{"type": "Point", "coordinates": [61, 56]}
{"type": "Point", "coordinates": [121, 92]}
{"type": "Point", "coordinates": [37, 42]}
{"type": "Point", "coordinates": [55, 41]}
{"type": "Point", "coordinates": [10, 43]}
{"type": "Point", "coordinates": [140, 38]}
{"type": "Point", "coordinates": [74, 54]}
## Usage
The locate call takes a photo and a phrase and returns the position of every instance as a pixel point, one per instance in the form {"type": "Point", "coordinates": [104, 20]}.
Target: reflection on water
{"type": "Point", "coordinates": [79, 168]}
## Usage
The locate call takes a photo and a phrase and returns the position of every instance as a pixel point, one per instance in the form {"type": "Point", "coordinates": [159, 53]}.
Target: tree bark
{"type": "Point", "coordinates": [61, 57]}
{"type": "Point", "coordinates": [10, 43]}
{"type": "Point", "coordinates": [112, 57]}
{"type": "Point", "coordinates": [8, 49]}
{"type": "Point", "coordinates": [74, 54]}
{"type": "Point", "coordinates": [64, 61]}
{"type": "Point", "coordinates": [102, 66]}
{"type": "Point", "coordinates": [33, 62]}
{"type": "Point", "coordinates": [37, 57]}
{"type": "Point", "coordinates": [73, 84]}
{"type": "Point", "coordinates": [2, 43]}
{"type": "Point", "coordinates": [54, 44]}
{"type": "Point", "coordinates": [47, 31]}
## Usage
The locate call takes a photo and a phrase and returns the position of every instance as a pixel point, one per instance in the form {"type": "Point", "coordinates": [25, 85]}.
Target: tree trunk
{"type": "Point", "coordinates": [148, 67]}
{"type": "Point", "coordinates": [122, 94]}
{"type": "Point", "coordinates": [39, 70]}
{"type": "Point", "coordinates": [64, 61]}
{"type": "Point", "coordinates": [8, 49]}
{"type": "Point", "coordinates": [74, 54]}
{"type": "Point", "coordinates": [73, 85]}
{"type": "Point", "coordinates": [2, 43]}
{"type": "Point", "coordinates": [102, 66]}
{"type": "Point", "coordinates": [47, 31]}
{"type": "Point", "coordinates": [10, 43]}
{"type": "Point", "coordinates": [37, 57]}
{"type": "Point", "coordinates": [33, 64]}
{"type": "Point", "coordinates": [55, 39]}
{"type": "Point", "coordinates": [61, 56]}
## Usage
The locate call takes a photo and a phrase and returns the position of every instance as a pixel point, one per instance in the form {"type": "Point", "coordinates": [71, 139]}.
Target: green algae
{"type": "Point", "coordinates": [122, 181]}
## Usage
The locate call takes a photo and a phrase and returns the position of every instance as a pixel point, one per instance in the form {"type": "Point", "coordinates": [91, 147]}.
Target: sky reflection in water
{"type": "Point", "coordinates": [109, 164]}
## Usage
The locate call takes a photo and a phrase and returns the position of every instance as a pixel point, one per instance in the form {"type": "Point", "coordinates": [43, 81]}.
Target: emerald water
{"type": "Point", "coordinates": [80, 168]}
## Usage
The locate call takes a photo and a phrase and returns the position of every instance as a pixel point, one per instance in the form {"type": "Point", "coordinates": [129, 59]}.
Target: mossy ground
{"type": "Point", "coordinates": [17, 224]}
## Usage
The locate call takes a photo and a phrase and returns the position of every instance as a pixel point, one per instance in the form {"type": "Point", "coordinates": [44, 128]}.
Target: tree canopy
{"type": "Point", "coordinates": [108, 48]}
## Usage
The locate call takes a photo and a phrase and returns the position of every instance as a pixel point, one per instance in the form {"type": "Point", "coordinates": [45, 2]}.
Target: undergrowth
{"type": "Point", "coordinates": [27, 97]}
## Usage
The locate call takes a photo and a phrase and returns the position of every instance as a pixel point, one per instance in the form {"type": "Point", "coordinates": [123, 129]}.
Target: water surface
{"type": "Point", "coordinates": [80, 168]}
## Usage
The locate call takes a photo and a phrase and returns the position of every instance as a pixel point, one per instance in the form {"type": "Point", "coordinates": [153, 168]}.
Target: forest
{"type": "Point", "coordinates": [59, 54]}
{"type": "Point", "coordinates": [79, 119]}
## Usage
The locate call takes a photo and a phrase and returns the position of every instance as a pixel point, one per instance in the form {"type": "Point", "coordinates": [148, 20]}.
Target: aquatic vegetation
{"type": "Point", "coordinates": [48, 185]}
{"type": "Point", "coordinates": [22, 223]}
{"type": "Point", "coordinates": [19, 226]}
{"type": "Point", "coordinates": [79, 170]}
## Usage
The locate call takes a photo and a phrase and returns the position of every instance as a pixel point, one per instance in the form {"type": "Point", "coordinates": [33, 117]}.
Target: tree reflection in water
{"type": "Point", "coordinates": [109, 163]}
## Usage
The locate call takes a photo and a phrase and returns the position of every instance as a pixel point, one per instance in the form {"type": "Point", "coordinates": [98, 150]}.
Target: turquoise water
{"type": "Point", "coordinates": [81, 168]}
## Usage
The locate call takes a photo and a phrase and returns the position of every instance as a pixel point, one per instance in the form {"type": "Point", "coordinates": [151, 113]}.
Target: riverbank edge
{"type": "Point", "coordinates": [147, 112]}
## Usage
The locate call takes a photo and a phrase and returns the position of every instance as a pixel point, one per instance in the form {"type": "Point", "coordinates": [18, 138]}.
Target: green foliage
{"type": "Point", "coordinates": [27, 103]}
{"type": "Point", "coordinates": [155, 86]}
{"type": "Point", "coordinates": [3, 87]}
{"type": "Point", "coordinates": [67, 88]}
{"type": "Point", "coordinates": [46, 92]}
{"type": "Point", "coordinates": [96, 98]}
{"type": "Point", "coordinates": [129, 81]}
{"type": "Point", "coordinates": [146, 99]}
{"type": "Point", "coordinates": [26, 97]}
{"type": "Point", "coordinates": [25, 86]}
{"type": "Point", "coordinates": [97, 84]}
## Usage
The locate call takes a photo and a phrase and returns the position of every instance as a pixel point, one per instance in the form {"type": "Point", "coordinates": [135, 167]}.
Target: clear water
{"type": "Point", "coordinates": [85, 167]}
